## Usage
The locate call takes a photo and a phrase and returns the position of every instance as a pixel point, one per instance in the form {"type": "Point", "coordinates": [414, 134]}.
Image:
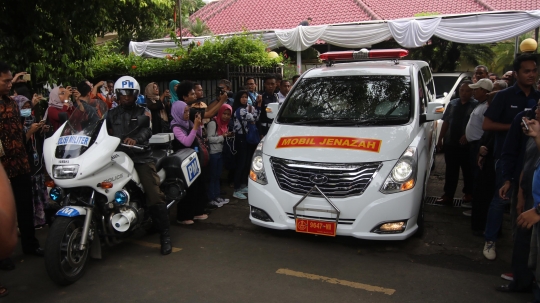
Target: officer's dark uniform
{"type": "Point", "coordinates": [264, 122]}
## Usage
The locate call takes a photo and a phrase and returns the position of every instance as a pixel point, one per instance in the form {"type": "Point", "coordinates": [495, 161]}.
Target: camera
{"type": "Point", "coordinates": [26, 77]}
{"type": "Point", "coordinates": [220, 90]}
{"type": "Point", "coordinates": [193, 113]}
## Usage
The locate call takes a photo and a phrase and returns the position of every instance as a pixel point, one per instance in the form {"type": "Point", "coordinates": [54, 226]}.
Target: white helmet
{"type": "Point", "coordinates": [127, 86]}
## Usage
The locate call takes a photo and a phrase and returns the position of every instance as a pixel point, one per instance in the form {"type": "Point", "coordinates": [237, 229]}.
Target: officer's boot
{"type": "Point", "coordinates": [161, 216]}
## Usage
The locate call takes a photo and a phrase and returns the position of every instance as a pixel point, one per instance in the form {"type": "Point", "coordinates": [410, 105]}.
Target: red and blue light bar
{"type": "Point", "coordinates": [364, 54]}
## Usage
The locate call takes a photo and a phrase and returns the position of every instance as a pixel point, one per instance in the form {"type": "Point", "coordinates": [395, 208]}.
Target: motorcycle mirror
{"type": "Point", "coordinates": [143, 121]}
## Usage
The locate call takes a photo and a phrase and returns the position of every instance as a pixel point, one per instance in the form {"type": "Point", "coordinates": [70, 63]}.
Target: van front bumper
{"type": "Point", "coordinates": [372, 209]}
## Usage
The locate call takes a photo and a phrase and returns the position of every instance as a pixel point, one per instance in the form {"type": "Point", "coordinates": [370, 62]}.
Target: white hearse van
{"type": "Point", "coordinates": [350, 149]}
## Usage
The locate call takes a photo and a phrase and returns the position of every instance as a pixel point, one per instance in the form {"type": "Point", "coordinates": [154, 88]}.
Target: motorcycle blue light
{"type": "Point", "coordinates": [121, 197]}
{"type": "Point", "coordinates": [56, 194]}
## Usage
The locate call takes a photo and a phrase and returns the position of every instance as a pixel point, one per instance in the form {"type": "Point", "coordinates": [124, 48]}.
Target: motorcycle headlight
{"type": "Point", "coordinates": [56, 194]}
{"type": "Point", "coordinates": [65, 171]}
{"type": "Point", "coordinates": [121, 197]}
{"type": "Point", "coordinates": [402, 177]}
{"type": "Point", "coordinates": [257, 172]}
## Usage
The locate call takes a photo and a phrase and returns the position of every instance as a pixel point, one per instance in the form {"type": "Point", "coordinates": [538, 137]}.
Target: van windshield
{"type": "Point", "coordinates": [349, 100]}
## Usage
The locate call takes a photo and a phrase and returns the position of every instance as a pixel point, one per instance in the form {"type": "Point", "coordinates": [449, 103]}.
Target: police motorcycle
{"type": "Point", "coordinates": [102, 200]}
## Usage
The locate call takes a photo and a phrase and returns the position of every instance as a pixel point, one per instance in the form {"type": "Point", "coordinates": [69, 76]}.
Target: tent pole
{"type": "Point", "coordinates": [299, 62]}
{"type": "Point", "coordinates": [180, 18]}
{"type": "Point", "coordinates": [516, 48]}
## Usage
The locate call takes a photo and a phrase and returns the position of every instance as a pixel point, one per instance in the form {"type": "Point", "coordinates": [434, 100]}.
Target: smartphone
{"type": "Point", "coordinates": [525, 124]}
{"type": "Point", "coordinates": [193, 112]}
{"type": "Point", "coordinates": [26, 77]}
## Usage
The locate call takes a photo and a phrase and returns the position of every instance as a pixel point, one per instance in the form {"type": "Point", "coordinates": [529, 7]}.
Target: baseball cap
{"type": "Point", "coordinates": [483, 83]}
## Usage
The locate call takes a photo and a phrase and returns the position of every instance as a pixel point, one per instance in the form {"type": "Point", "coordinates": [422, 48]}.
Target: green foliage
{"type": "Point", "coordinates": [54, 39]}
{"type": "Point", "coordinates": [444, 56]}
{"type": "Point", "coordinates": [202, 61]}
{"type": "Point", "coordinates": [190, 6]}
{"type": "Point", "coordinates": [504, 55]}
{"type": "Point", "coordinates": [198, 28]}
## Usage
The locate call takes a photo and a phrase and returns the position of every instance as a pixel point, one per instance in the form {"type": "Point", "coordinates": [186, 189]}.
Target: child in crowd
{"type": "Point", "coordinates": [243, 115]}
{"type": "Point", "coordinates": [218, 131]}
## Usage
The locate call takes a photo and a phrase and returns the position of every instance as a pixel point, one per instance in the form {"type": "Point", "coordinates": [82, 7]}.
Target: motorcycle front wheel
{"type": "Point", "coordinates": [64, 262]}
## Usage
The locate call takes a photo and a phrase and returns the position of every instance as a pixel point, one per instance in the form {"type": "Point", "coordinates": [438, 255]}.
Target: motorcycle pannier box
{"type": "Point", "coordinates": [184, 164]}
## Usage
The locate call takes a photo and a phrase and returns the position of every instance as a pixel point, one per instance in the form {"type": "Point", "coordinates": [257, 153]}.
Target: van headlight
{"type": "Point", "coordinates": [402, 177]}
{"type": "Point", "coordinates": [257, 172]}
{"type": "Point", "coordinates": [65, 171]}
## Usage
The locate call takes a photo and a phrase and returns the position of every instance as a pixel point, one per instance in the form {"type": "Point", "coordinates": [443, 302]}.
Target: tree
{"type": "Point", "coordinates": [54, 39]}
{"type": "Point", "coordinates": [504, 55]}
{"type": "Point", "coordinates": [198, 28]}
{"type": "Point", "coordinates": [444, 56]}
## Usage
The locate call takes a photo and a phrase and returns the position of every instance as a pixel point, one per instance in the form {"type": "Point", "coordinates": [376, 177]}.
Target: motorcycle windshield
{"type": "Point", "coordinates": [81, 129]}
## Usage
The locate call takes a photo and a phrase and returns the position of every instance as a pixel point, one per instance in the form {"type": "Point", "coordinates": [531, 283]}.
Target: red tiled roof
{"type": "Point", "coordinates": [390, 10]}
{"type": "Point", "coordinates": [229, 16]}
{"type": "Point", "coordinates": [514, 4]}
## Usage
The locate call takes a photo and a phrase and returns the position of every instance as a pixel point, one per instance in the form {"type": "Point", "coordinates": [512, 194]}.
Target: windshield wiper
{"type": "Point", "coordinates": [317, 121]}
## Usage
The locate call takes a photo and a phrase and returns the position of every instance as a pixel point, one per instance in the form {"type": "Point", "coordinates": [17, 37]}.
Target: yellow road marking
{"type": "Point", "coordinates": [288, 272]}
{"type": "Point", "coordinates": [153, 245]}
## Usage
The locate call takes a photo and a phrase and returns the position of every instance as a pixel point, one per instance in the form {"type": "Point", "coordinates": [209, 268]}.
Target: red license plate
{"type": "Point", "coordinates": [316, 227]}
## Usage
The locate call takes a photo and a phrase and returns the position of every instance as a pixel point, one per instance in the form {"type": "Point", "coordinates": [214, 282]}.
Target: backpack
{"type": "Point", "coordinates": [198, 144]}
{"type": "Point", "coordinates": [252, 133]}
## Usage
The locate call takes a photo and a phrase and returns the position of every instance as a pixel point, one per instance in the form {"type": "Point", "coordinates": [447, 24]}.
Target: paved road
{"type": "Point", "coordinates": [227, 259]}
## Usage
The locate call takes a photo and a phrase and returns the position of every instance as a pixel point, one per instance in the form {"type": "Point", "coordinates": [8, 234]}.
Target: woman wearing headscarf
{"type": "Point", "coordinates": [58, 103]}
{"type": "Point", "coordinates": [158, 107]}
{"type": "Point", "coordinates": [243, 114]}
{"type": "Point", "coordinates": [218, 131]}
{"type": "Point", "coordinates": [172, 88]}
{"type": "Point", "coordinates": [185, 132]}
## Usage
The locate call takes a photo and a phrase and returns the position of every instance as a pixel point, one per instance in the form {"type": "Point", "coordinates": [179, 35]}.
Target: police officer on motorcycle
{"type": "Point", "coordinates": [122, 123]}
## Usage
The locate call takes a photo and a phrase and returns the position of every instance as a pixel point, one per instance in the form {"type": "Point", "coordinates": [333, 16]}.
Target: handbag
{"type": "Point", "coordinates": [199, 145]}
{"type": "Point", "coordinates": [252, 133]}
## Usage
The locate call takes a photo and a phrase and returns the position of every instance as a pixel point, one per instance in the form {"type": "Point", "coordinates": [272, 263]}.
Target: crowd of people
{"type": "Point", "coordinates": [224, 131]}
{"type": "Point", "coordinates": [490, 134]}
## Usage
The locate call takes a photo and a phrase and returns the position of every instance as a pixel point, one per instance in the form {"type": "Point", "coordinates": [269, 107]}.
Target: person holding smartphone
{"type": "Point", "coordinates": [243, 114]}
{"type": "Point", "coordinates": [187, 135]}
{"type": "Point", "coordinates": [35, 134]}
{"type": "Point", "coordinates": [218, 132]}
{"type": "Point", "coordinates": [58, 103]}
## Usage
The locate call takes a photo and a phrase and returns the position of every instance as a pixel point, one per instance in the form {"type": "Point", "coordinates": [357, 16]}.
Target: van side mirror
{"type": "Point", "coordinates": [435, 111]}
{"type": "Point", "coordinates": [143, 121]}
{"type": "Point", "coordinates": [271, 110]}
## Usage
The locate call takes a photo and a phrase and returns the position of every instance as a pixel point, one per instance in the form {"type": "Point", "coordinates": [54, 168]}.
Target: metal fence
{"type": "Point", "coordinates": [237, 75]}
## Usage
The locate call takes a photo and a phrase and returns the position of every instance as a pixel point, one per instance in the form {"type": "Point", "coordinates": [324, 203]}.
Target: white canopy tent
{"type": "Point", "coordinates": [473, 28]}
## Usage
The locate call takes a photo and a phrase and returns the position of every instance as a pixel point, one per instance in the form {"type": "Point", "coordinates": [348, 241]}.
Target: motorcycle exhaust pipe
{"type": "Point", "coordinates": [122, 221]}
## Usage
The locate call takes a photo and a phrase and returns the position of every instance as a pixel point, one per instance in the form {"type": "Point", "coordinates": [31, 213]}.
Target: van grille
{"type": "Point", "coordinates": [344, 180]}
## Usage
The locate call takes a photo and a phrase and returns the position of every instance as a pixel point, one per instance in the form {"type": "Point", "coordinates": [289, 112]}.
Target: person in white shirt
{"type": "Point", "coordinates": [284, 88]}
{"type": "Point", "coordinates": [474, 131]}
{"type": "Point", "coordinates": [481, 89]}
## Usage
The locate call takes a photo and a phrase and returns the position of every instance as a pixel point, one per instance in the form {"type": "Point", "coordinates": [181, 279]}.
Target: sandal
{"type": "Point", "coordinates": [3, 291]}
{"type": "Point", "coordinates": [201, 217]}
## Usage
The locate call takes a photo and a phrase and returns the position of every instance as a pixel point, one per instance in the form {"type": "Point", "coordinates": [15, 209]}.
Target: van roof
{"type": "Point", "coordinates": [366, 68]}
